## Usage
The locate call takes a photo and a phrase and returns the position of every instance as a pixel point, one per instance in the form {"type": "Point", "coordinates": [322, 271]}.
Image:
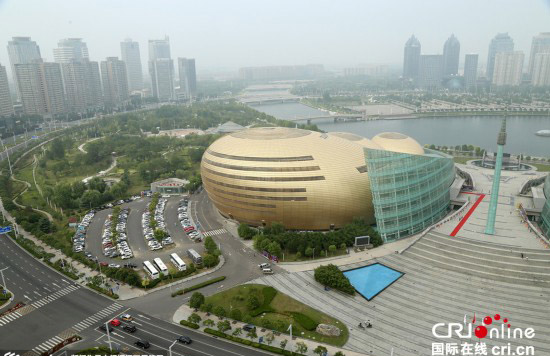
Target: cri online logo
{"type": "Point", "coordinates": [494, 327]}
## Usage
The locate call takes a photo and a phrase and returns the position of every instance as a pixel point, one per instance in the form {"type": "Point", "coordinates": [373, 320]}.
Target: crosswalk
{"type": "Point", "coordinates": [92, 320]}
{"type": "Point", "coordinates": [9, 318]}
{"type": "Point", "coordinates": [48, 345]}
{"type": "Point", "coordinates": [51, 297]}
{"type": "Point", "coordinates": [214, 232]}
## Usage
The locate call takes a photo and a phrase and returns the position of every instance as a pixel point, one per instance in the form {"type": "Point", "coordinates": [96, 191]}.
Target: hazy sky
{"type": "Point", "coordinates": [229, 34]}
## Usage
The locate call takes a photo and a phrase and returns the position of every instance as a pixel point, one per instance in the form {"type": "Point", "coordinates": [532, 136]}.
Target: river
{"type": "Point", "coordinates": [450, 131]}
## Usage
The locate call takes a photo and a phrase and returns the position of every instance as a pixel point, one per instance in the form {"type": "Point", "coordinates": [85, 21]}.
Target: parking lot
{"type": "Point", "coordinates": [134, 234]}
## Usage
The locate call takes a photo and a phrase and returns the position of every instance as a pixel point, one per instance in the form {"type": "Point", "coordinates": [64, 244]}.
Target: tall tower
{"type": "Point", "coordinates": [411, 58]}
{"type": "Point", "coordinates": [132, 58]}
{"type": "Point", "coordinates": [451, 55]}
{"type": "Point", "coordinates": [502, 42]}
{"type": "Point", "coordinates": [470, 71]}
{"type": "Point", "coordinates": [492, 213]}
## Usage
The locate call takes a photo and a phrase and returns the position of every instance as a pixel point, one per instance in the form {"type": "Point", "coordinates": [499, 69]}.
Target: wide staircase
{"type": "Point", "coordinates": [445, 278]}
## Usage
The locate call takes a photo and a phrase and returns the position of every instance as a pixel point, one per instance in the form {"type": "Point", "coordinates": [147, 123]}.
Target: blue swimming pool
{"type": "Point", "coordinates": [370, 280]}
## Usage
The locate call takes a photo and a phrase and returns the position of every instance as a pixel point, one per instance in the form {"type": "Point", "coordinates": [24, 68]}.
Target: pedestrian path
{"type": "Point", "coordinates": [47, 345]}
{"type": "Point", "coordinates": [92, 320]}
{"type": "Point", "coordinates": [9, 318]}
{"type": "Point", "coordinates": [215, 232]}
{"type": "Point", "coordinates": [54, 296]}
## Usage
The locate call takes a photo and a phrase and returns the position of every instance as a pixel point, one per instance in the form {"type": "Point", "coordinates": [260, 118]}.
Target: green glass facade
{"type": "Point", "coordinates": [545, 223]}
{"type": "Point", "coordinates": [409, 192]}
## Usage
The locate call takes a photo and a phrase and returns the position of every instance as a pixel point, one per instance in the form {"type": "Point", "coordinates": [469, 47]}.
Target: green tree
{"type": "Point", "coordinates": [219, 311]}
{"type": "Point", "coordinates": [332, 249]}
{"type": "Point", "coordinates": [301, 347]}
{"type": "Point", "coordinates": [90, 199]}
{"type": "Point", "coordinates": [209, 244]}
{"type": "Point", "coordinates": [237, 332]}
{"type": "Point", "coordinates": [252, 302]}
{"type": "Point", "coordinates": [210, 260]}
{"type": "Point", "coordinates": [44, 225]}
{"type": "Point", "coordinates": [339, 353]}
{"type": "Point", "coordinates": [98, 184]}
{"type": "Point", "coordinates": [308, 252]}
{"type": "Point", "coordinates": [223, 325]}
{"type": "Point", "coordinates": [330, 275]}
{"type": "Point", "coordinates": [236, 314]}
{"type": "Point", "coordinates": [274, 249]}
{"type": "Point", "coordinates": [206, 307]}
{"type": "Point", "coordinates": [208, 323]}
{"type": "Point", "coordinates": [252, 334]}
{"type": "Point", "coordinates": [245, 231]}
{"type": "Point", "coordinates": [269, 338]}
{"type": "Point", "coordinates": [57, 149]}
{"type": "Point", "coordinates": [283, 343]}
{"type": "Point", "coordinates": [320, 350]}
{"type": "Point", "coordinates": [194, 318]}
{"type": "Point", "coordinates": [197, 299]}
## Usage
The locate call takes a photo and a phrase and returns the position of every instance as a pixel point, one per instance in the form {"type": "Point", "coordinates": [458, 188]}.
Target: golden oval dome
{"type": "Point", "coordinates": [397, 142]}
{"type": "Point", "coordinates": [363, 141]}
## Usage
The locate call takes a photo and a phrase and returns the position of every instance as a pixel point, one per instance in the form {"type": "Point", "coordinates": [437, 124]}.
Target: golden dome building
{"type": "Point", "coordinates": [304, 179]}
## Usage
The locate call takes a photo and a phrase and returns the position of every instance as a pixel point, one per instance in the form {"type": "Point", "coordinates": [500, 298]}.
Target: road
{"type": "Point", "coordinates": [56, 305]}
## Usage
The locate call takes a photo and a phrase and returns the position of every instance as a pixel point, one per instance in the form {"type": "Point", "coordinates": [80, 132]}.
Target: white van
{"type": "Point", "coordinates": [267, 271]}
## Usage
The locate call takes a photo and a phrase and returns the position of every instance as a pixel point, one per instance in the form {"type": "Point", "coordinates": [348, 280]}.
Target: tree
{"type": "Point", "coordinates": [301, 347]}
{"type": "Point", "coordinates": [252, 302]}
{"type": "Point", "coordinates": [44, 225]}
{"type": "Point", "coordinates": [330, 275]}
{"type": "Point", "coordinates": [209, 244]}
{"type": "Point", "coordinates": [320, 350]}
{"type": "Point", "coordinates": [339, 353]}
{"type": "Point", "coordinates": [308, 252]}
{"type": "Point", "coordinates": [210, 260]}
{"type": "Point", "coordinates": [332, 249]}
{"type": "Point", "coordinates": [223, 325]}
{"type": "Point", "coordinates": [274, 249]}
{"type": "Point", "coordinates": [237, 332]}
{"type": "Point", "coordinates": [206, 307]}
{"type": "Point", "coordinates": [219, 311]}
{"type": "Point", "coordinates": [269, 338]}
{"type": "Point", "coordinates": [90, 199]}
{"type": "Point", "coordinates": [98, 184]}
{"type": "Point", "coordinates": [245, 231]}
{"type": "Point", "coordinates": [343, 246]}
{"type": "Point", "coordinates": [252, 334]}
{"type": "Point", "coordinates": [57, 149]}
{"type": "Point", "coordinates": [283, 343]}
{"type": "Point", "coordinates": [235, 314]}
{"type": "Point", "coordinates": [194, 318]}
{"type": "Point", "coordinates": [197, 299]}
{"type": "Point", "coordinates": [208, 323]}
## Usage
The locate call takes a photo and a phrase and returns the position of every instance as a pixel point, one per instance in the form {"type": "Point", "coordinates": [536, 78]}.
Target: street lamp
{"type": "Point", "coordinates": [108, 334]}
{"type": "Point", "coordinates": [170, 348]}
{"type": "Point", "coordinates": [3, 280]}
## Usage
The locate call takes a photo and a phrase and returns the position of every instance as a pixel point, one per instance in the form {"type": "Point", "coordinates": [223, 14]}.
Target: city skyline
{"type": "Point", "coordinates": [217, 30]}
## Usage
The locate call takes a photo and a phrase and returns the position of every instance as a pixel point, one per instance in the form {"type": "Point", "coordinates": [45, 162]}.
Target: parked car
{"type": "Point", "coordinates": [249, 327]}
{"type": "Point", "coordinates": [104, 328]}
{"type": "Point", "coordinates": [115, 322]}
{"type": "Point", "coordinates": [129, 328]}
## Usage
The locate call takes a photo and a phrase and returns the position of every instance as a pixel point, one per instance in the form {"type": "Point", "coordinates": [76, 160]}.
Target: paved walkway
{"type": "Point", "coordinates": [81, 147]}
{"type": "Point", "coordinates": [184, 311]}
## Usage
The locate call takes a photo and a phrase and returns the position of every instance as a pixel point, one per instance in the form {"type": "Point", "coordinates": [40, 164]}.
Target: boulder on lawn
{"type": "Point", "coordinates": [328, 330]}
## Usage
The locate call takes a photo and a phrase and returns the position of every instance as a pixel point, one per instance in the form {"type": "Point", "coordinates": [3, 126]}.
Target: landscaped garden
{"type": "Point", "coordinates": [268, 308]}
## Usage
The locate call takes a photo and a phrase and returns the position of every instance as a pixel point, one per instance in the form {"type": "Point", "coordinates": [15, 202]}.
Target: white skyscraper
{"type": "Point", "coordinates": [21, 50]}
{"type": "Point", "coordinates": [508, 68]}
{"type": "Point", "coordinates": [115, 81]}
{"type": "Point", "coordinates": [70, 49]}
{"type": "Point", "coordinates": [540, 44]}
{"type": "Point", "coordinates": [541, 70]}
{"type": "Point", "coordinates": [82, 84]}
{"type": "Point", "coordinates": [502, 42]}
{"type": "Point", "coordinates": [6, 105]}
{"type": "Point", "coordinates": [132, 58]}
{"type": "Point", "coordinates": [187, 76]}
{"type": "Point", "coordinates": [161, 69]}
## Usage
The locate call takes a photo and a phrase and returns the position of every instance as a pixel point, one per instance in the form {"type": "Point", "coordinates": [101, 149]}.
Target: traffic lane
{"type": "Point", "coordinates": [43, 323]}
{"type": "Point", "coordinates": [25, 274]}
{"type": "Point", "coordinates": [162, 334]}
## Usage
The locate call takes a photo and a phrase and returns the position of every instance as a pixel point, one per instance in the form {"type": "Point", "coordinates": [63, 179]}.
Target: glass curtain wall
{"type": "Point", "coordinates": [409, 192]}
{"type": "Point", "coordinates": [546, 210]}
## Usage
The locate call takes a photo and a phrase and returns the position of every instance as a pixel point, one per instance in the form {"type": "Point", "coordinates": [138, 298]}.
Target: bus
{"type": "Point", "coordinates": [194, 255]}
{"type": "Point", "coordinates": [151, 271]}
{"type": "Point", "coordinates": [177, 262]}
{"type": "Point", "coordinates": [160, 266]}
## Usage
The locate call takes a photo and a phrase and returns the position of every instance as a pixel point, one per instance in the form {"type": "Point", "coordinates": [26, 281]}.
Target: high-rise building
{"type": "Point", "coordinates": [502, 42]}
{"type": "Point", "coordinates": [188, 76]}
{"type": "Point", "coordinates": [451, 56]}
{"type": "Point", "coordinates": [69, 49]}
{"type": "Point", "coordinates": [161, 69]}
{"type": "Point", "coordinates": [470, 71]}
{"type": "Point", "coordinates": [540, 44]}
{"type": "Point", "coordinates": [411, 60]}
{"type": "Point", "coordinates": [6, 105]}
{"type": "Point", "coordinates": [21, 50]}
{"type": "Point", "coordinates": [131, 57]}
{"type": "Point", "coordinates": [115, 81]}
{"type": "Point", "coordinates": [82, 85]}
{"type": "Point", "coordinates": [41, 87]}
{"type": "Point", "coordinates": [508, 68]}
{"type": "Point", "coordinates": [541, 70]}
{"type": "Point", "coordinates": [430, 74]}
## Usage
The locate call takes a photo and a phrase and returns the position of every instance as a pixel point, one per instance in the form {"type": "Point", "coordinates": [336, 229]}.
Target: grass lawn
{"type": "Point", "coordinates": [462, 160]}
{"type": "Point", "coordinates": [541, 167]}
{"type": "Point", "coordinates": [279, 313]}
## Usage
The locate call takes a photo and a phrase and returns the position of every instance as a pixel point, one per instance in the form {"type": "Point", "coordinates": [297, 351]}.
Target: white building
{"type": "Point", "coordinates": [115, 81]}
{"type": "Point", "coordinates": [541, 70]}
{"type": "Point", "coordinates": [131, 57]}
{"type": "Point", "coordinates": [162, 78]}
{"type": "Point", "coordinates": [69, 49]}
{"type": "Point", "coordinates": [540, 44]}
{"type": "Point", "coordinates": [6, 105]}
{"type": "Point", "coordinates": [508, 68]}
{"type": "Point", "coordinates": [21, 50]}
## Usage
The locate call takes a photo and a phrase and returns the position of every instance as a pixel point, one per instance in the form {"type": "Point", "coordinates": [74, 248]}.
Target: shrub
{"type": "Point", "coordinates": [194, 318]}
{"type": "Point", "coordinates": [224, 325]}
{"type": "Point", "coordinates": [305, 321]}
{"type": "Point", "coordinates": [197, 299]}
{"type": "Point", "coordinates": [208, 322]}
{"type": "Point", "coordinates": [252, 303]}
{"type": "Point", "coordinates": [189, 324]}
{"type": "Point", "coordinates": [236, 314]}
{"type": "Point", "coordinates": [330, 275]}
{"type": "Point", "coordinates": [206, 307]}
{"type": "Point", "coordinates": [203, 284]}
